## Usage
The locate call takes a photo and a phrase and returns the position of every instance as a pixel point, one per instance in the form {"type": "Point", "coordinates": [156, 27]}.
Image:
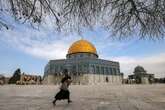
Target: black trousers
{"type": "Point", "coordinates": [62, 94]}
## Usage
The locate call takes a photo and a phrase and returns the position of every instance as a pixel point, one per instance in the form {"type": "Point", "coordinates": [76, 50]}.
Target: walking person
{"type": "Point", "coordinates": [64, 91]}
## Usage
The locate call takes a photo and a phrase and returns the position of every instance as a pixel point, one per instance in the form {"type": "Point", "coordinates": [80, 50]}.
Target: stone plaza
{"type": "Point", "coordinates": [84, 97]}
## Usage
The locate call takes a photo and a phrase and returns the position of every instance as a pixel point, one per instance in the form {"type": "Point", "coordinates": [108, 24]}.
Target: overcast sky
{"type": "Point", "coordinates": [31, 49]}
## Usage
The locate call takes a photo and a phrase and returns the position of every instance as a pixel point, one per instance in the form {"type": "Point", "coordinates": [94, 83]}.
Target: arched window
{"type": "Point", "coordinates": [114, 71]}
{"type": "Point", "coordinates": [81, 55]}
{"type": "Point", "coordinates": [97, 70]}
{"type": "Point", "coordinates": [106, 69]}
{"type": "Point", "coordinates": [92, 69]}
{"type": "Point", "coordinates": [102, 70]}
{"type": "Point", "coordinates": [110, 70]}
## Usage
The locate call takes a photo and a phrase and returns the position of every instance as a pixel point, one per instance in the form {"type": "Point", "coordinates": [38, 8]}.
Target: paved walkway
{"type": "Point", "coordinates": [100, 97]}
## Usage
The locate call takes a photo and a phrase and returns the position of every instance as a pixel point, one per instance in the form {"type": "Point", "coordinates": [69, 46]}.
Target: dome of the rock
{"type": "Point", "coordinates": [82, 46]}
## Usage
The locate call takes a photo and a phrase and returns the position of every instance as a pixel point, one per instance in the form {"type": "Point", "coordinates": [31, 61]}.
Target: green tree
{"type": "Point", "coordinates": [16, 76]}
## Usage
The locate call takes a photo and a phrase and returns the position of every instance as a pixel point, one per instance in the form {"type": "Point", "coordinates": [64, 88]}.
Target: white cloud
{"type": "Point", "coordinates": [44, 43]}
{"type": "Point", "coordinates": [41, 47]}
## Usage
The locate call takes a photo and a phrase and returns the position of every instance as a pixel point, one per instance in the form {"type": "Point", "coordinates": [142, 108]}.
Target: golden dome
{"type": "Point", "coordinates": [82, 46]}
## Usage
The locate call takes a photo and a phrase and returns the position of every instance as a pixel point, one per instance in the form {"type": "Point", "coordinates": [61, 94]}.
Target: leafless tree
{"type": "Point", "coordinates": [123, 18]}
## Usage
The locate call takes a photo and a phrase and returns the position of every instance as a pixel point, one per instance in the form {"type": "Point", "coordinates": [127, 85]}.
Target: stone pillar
{"type": "Point", "coordinates": [99, 75]}
{"type": "Point", "coordinates": [109, 79]}
{"type": "Point", "coordinates": [94, 74]}
{"type": "Point", "coordinates": [50, 79]}
{"type": "Point", "coordinates": [144, 80]}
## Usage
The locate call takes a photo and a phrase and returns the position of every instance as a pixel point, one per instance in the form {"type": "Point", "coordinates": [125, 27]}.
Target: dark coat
{"type": "Point", "coordinates": [64, 92]}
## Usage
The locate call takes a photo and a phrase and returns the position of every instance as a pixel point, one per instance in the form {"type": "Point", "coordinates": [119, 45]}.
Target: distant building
{"type": "Point", "coordinates": [160, 80]}
{"type": "Point", "coordinates": [2, 79]}
{"type": "Point", "coordinates": [84, 66]}
{"type": "Point", "coordinates": [26, 79]}
{"type": "Point", "coordinates": [141, 76]}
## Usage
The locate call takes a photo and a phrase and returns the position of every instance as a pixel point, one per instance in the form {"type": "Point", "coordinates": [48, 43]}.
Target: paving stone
{"type": "Point", "coordinates": [85, 97]}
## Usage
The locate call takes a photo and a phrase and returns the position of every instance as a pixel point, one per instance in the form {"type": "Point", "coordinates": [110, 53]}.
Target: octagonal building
{"type": "Point", "coordinates": [84, 66]}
